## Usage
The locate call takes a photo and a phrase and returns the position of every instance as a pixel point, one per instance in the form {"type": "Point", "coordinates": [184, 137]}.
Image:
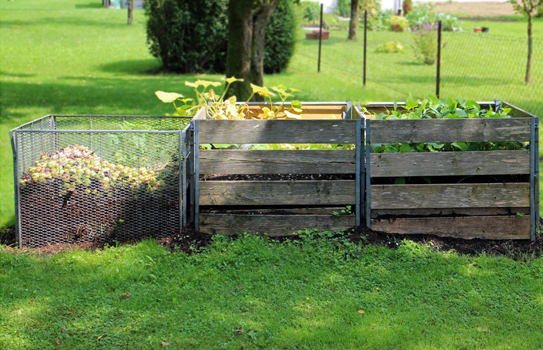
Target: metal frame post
{"type": "Point", "coordinates": [197, 175]}
{"type": "Point", "coordinates": [368, 176]}
{"type": "Point", "coordinates": [191, 169]}
{"type": "Point", "coordinates": [365, 45]}
{"type": "Point", "coordinates": [438, 63]}
{"type": "Point", "coordinates": [358, 172]}
{"type": "Point", "coordinates": [12, 136]}
{"type": "Point", "coordinates": [320, 40]}
{"type": "Point", "coordinates": [181, 178]}
{"type": "Point", "coordinates": [536, 180]}
{"type": "Point", "coordinates": [533, 162]}
{"type": "Point", "coordinates": [185, 153]}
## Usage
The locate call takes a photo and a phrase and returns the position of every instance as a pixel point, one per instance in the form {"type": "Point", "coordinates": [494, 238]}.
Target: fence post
{"type": "Point", "coordinates": [365, 43]}
{"type": "Point", "coordinates": [438, 63]}
{"type": "Point", "coordinates": [320, 41]}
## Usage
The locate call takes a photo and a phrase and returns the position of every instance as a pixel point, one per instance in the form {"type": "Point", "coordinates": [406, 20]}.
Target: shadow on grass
{"type": "Point", "coordinates": [90, 5]}
{"type": "Point", "coordinates": [68, 22]}
{"type": "Point", "coordinates": [139, 67]}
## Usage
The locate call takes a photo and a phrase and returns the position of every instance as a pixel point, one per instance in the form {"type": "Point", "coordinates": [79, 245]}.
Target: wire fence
{"type": "Point", "coordinates": [476, 66]}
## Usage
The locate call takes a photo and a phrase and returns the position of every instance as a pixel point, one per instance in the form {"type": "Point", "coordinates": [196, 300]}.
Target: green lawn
{"type": "Point", "coordinates": [251, 293]}
{"type": "Point", "coordinates": [78, 58]}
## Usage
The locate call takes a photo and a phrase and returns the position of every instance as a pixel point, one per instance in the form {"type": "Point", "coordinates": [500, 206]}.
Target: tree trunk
{"type": "Point", "coordinates": [261, 19]}
{"type": "Point", "coordinates": [529, 61]}
{"type": "Point", "coordinates": [353, 26]}
{"type": "Point", "coordinates": [240, 41]}
{"type": "Point", "coordinates": [130, 11]}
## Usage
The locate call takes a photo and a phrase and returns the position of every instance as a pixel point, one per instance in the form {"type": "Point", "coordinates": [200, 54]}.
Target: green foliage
{"type": "Point", "coordinates": [421, 17]}
{"type": "Point", "coordinates": [390, 47]}
{"type": "Point", "coordinates": [311, 11]}
{"type": "Point", "coordinates": [426, 43]}
{"type": "Point", "coordinates": [433, 108]}
{"type": "Point", "coordinates": [398, 21]}
{"type": "Point", "coordinates": [280, 38]}
{"type": "Point", "coordinates": [191, 35]}
{"type": "Point", "coordinates": [343, 7]}
{"type": "Point", "coordinates": [184, 34]}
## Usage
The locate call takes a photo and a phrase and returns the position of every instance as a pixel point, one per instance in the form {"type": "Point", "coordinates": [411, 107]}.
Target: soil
{"type": "Point", "coordinates": [486, 9]}
{"type": "Point", "coordinates": [190, 242]}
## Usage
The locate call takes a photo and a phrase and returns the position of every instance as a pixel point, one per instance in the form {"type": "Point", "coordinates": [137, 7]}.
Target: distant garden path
{"type": "Point", "coordinates": [476, 8]}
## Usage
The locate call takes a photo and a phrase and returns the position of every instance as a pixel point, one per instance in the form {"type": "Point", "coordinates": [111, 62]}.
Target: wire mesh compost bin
{"type": "Point", "coordinates": [86, 178]}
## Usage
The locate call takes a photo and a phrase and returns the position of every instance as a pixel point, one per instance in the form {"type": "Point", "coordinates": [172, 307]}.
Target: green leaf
{"type": "Point", "coordinates": [296, 104]}
{"type": "Point", "coordinates": [405, 148]}
{"type": "Point", "coordinates": [167, 97]}
{"type": "Point", "coordinates": [427, 179]}
{"type": "Point", "coordinates": [461, 113]}
{"type": "Point", "coordinates": [292, 115]}
{"type": "Point", "coordinates": [460, 145]}
{"type": "Point", "coordinates": [400, 181]}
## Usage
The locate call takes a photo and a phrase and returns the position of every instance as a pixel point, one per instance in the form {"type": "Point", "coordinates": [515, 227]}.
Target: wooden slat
{"type": "Point", "coordinates": [336, 192]}
{"type": "Point", "coordinates": [450, 196]}
{"type": "Point", "coordinates": [388, 213]}
{"type": "Point", "coordinates": [277, 131]}
{"type": "Point", "coordinates": [273, 225]}
{"type": "Point", "coordinates": [201, 115]}
{"type": "Point", "coordinates": [279, 211]}
{"type": "Point", "coordinates": [277, 162]}
{"type": "Point", "coordinates": [483, 227]}
{"type": "Point", "coordinates": [450, 163]}
{"type": "Point", "coordinates": [450, 130]}
{"type": "Point", "coordinates": [309, 111]}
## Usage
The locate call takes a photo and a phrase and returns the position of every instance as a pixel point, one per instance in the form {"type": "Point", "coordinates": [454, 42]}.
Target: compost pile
{"type": "Point", "coordinates": [73, 195]}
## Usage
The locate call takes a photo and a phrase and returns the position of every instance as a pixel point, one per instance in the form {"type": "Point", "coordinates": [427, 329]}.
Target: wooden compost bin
{"type": "Point", "coordinates": [279, 207]}
{"type": "Point", "coordinates": [503, 210]}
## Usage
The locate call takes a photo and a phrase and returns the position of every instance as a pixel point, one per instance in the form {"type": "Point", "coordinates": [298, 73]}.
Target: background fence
{"type": "Point", "coordinates": [476, 66]}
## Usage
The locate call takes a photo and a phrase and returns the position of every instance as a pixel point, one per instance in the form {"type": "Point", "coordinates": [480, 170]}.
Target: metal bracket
{"type": "Point", "coordinates": [497, 106]}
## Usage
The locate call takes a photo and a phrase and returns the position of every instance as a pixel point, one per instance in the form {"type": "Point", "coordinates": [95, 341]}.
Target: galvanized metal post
{"type": "Point", "coordinates": [537, 194]}
{"type": "Point", "coordinates": [320, 41]}
{"type": "Point", "coordinates": [358, 172]}
{"type": "Point", "coordinates": [197, 175]}
{"type": "Point", "coordinates": [12, 136]}
{"type": "Point", "coordinates": [363, 166]}
{"type": "Point", "coordinates": [191, 166]}
{"type": "Point", "coordinates": [185, 153]}
{"type": "Point", "coordinates": [180, 178]}
{"type": "Point", "coordinates": [368, 176]}
{"type": "Point", "coordinates": [533, 162]}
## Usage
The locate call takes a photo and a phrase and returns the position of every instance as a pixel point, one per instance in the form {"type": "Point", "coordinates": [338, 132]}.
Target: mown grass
{"type": "Point", "coordinates": [253, 293]}
{"type": "Point", "coordinates": [75, 57]}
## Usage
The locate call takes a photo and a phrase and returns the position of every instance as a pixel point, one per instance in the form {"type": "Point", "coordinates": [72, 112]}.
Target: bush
{"type": "Point", "coordinates": [280, 38]}
{"type": "Point", "coordinates": [192, 35]}
{"type": "Point", "coordinates": [311, 11]}
{"type": "Point", "coordinates": [426, 43]}
{"type": "Point", "coordinates": [188, 35]}
{"type": "Point", "coordinates": [390, 47]}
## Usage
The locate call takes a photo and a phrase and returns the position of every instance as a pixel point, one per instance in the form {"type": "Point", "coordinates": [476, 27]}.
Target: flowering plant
{"type": "Point", "coordinates": [426, 43]}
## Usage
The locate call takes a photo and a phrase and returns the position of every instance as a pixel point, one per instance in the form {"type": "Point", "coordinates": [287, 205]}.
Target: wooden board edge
{"type": "Point", "coordinates": [481, 227]}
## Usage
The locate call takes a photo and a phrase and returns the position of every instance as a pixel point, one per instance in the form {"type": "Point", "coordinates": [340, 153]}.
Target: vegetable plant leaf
{"type": "Point", "coordinates": [167, 97]}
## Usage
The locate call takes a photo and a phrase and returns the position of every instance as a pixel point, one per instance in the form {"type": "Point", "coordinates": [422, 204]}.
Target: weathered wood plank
{"type": "Point", "coordinates": [481, 195]}
{"type": "Point", "coordinates": [279, 211]}
{"type": "Point", "coordinates": [201, 114]}
{"type": "Point", "coordinates": [450, 163]}
{"type": "Point", "coordinates": [273, 225]}
{"type": "Point", "coordinates": [309, 111]}
{"type": "Point", "coordinates": [450, 130]}
{"type": "Point", "coordinates": [277, 131]}
{"type": "Point", "coordinates": [387, 213]}
{"type": "Point", "coordinates": [483, 227]}
{"type": "Point", "coordinates": [336, 192]}
{"type": "Point", "coordinates": [277, 162]}
{"type": "Point", "coordinates": [357, 114]}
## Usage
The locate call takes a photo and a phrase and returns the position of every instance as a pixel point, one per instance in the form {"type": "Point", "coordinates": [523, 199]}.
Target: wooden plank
{"type": "Point", "coordinates": [335, 192]}
{"type": "Point", "coordinates": [279, 211]}
{"type": "Point", "coordinates": [450, 163]}
{"type": "Point", "coordinates": [450, 130]}
{"type": "Point", "coordinates": [225, 161]}
{"type": "Point", "coordinates": [273, 225]}
{"type": "Point", "coordinates": [387, 213]}
{"type": "Point", "coordinates": [278, 131]}
{"type": "Point", "coordinates": [490, 195]}
{"type": "Point", "coordinates": [309, 111]}
{"type": "Point", "coordinates": [356, 114]}
{"type": "Point", "coordinates": [481, 227]}
{"type": "Point", "coordinates": [201, 115]}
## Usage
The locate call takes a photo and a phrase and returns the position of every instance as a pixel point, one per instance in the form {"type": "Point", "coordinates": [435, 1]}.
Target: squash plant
{"type": "Point", "coordinates": [217, 107]}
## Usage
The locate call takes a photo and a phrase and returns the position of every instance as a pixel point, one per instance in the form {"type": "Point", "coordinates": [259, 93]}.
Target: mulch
{"type": "Point", "coordinates": [189, 241]}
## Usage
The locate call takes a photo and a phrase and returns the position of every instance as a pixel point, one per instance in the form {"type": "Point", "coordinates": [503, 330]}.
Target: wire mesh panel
{"type": "Point", "coordinates": [98, 178]}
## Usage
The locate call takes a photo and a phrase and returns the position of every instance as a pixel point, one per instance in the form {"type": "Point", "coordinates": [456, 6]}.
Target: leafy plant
{"type": "Point", "coordinates": [399, 21]}
{"type": "Point", "coordinates": [390, 47]}
{"type": "Point", "coordinates": [434, 108]}
{"type": "Point", "coordinates": [217, 107]}
{"type": "Point", "coordinates": [426, 43]}
{"type": "Point", "coordinates": [311, 11]}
